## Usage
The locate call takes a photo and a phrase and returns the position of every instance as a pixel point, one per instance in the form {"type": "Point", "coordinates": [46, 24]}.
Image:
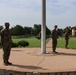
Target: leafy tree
{"type": "Point", "coordinates": [17, 30]}
{"type": "Point", "coordinates": [36, 29]}
{"type": "Point", "coordinates": [48, 32]}
{"type": "Point", "coordinates": [28, 30]}
{"type": "Point", "coordinates": [1, 27]}
{"type": "Point", "coordinates": [60, 32]}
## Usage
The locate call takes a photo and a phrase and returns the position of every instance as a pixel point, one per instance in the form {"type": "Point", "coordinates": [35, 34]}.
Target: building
{"type": "Point", "coordinates": [74, 31]}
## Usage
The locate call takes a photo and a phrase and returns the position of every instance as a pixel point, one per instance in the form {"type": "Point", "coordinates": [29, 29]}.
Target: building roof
{"type": "Point", "coordinates": [73, 27]}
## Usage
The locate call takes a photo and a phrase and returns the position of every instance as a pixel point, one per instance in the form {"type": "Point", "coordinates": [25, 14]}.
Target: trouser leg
{"type": "Point", "coordinates": [66, 44]}
{"type": "Point", "coordinates": [54, 44]}
{"type": "Point", "coordinates": [6, 53]}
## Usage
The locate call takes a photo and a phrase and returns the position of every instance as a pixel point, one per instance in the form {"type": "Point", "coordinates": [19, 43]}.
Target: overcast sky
{"type": "Point", "coordinates": [28, 12]}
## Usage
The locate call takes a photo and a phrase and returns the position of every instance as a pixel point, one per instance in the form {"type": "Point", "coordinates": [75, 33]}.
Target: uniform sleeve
{"type": "Point", "coordinates": [52, 34]}
{"type": "Point", "coordinates": [2, 36]}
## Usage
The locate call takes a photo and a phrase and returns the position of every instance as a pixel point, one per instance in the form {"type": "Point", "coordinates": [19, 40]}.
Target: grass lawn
{"type": "Point", "coordinates": [33, 42]}
{"type": "Point", "coordinates": [72, 43]}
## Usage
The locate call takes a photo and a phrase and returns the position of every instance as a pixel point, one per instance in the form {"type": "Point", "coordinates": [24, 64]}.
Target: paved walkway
{"type": "Point", "coordinates": [31, 60]}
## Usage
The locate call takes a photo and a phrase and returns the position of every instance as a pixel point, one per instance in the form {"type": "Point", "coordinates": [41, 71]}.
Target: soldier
{"type": "Point", "coordinates": [6, 44]}
{"type": "Point", "coordinates": [66, 37]}
{"type": "Point", "coordinates": [54, 39]}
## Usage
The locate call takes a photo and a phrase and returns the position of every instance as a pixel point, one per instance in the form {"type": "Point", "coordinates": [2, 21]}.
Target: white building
{"type": "Point", "coordinates": [74, 31]}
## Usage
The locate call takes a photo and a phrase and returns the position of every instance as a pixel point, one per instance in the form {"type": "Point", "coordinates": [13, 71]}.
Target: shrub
{"type": "Point", "coordinates": [23, 43]}
{"type": "Point", "coordinates": [13, 44]}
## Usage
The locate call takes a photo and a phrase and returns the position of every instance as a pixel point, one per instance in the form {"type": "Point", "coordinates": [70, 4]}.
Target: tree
{"type": "Point", "coordinates": [1, 27]}
{"type": "Point", "coordinates": [17, 30]}
{"type": "Point", "coordinates": [36, 29]}
{"type": "Point", "coordinates": [60, 32]}
{"type": "Point", "coordinates": [28, 30]}
{"type": "Point", "coordinates": [48, 32]}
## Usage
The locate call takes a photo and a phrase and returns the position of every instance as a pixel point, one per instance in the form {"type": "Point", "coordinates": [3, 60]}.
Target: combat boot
{"type": "Point", "coordinates": [9, 63]}
{"type": "Point", "coordinates": [5, 63]}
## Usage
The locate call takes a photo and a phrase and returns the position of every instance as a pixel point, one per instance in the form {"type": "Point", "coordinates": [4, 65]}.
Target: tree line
{"type": "Point", "coordinates": [19, 30]}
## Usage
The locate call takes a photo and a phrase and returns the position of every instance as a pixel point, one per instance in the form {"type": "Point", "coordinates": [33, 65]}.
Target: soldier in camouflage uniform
{"type": "Point", "coordinates": [54, 39]}
{"type": "Point", "coordinates": [6, 44]}
{"type": "Point", "coordinates": [66, 37]}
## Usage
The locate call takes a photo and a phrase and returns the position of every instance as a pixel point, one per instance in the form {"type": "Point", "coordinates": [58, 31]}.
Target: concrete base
{"type": "Point", "coordinates": [29, 61]}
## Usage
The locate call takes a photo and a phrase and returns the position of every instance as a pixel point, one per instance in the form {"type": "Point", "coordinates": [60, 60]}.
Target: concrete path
{"type": "Point", "coordinates": [31, 60]}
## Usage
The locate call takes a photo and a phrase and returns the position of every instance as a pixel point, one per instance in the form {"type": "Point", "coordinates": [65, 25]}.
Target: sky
{"type": "Point", "coordinates": [29, 12]}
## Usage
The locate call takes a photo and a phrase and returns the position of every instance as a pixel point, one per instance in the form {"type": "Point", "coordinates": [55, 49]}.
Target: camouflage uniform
{"type": "Point", "coordinates": [66, 39]}
{"type": "Point", "coordinates": [54, 39]}
{"type": "Point", "coordinates": [6, 44]}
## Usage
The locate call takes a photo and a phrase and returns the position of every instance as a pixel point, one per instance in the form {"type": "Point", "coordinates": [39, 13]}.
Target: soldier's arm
{"type": "Point", "coordinates": [1, 33]}
{"type": "Point", "coordinates": [10, 38]}
{"type": "Point", "coordinates": [52, 34]}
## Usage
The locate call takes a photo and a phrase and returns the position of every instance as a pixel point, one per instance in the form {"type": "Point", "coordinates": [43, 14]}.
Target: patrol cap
{"type": "Point", "coordinates": [7, 24]}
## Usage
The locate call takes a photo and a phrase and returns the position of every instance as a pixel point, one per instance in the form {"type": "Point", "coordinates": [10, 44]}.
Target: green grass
{"type": "Point", "coordinates": [33, 42]}
{"type": "Point", "coordinates": [72, 43]}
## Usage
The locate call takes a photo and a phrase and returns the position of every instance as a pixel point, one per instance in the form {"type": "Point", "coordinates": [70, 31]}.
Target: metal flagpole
{"type": "Point", "coordinates": [43, 28]}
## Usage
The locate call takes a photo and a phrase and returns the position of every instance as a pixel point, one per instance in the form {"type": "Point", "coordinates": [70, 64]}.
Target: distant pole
{"type": "Point", "coordinates": [43, 28]}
